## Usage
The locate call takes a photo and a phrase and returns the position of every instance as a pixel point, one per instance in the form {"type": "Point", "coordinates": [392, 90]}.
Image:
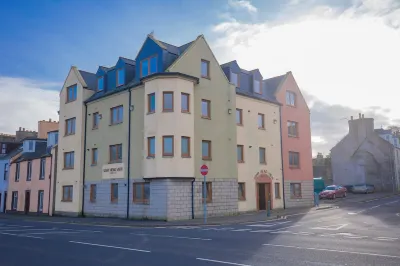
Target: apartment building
{"type": "Point", "coordinates": [258, 129]}
{"type": "Point", "coordinates": [5, 162]}
{"type": "Point", "coordinates": [30, 176]}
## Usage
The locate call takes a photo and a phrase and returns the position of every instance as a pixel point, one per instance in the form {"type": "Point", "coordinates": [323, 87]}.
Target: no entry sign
{"type": "Point", "coordinates": [204, 169]}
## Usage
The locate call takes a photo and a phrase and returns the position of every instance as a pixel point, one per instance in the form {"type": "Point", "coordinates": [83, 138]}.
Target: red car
{"type": "Point", "coordinates": [331, 192]}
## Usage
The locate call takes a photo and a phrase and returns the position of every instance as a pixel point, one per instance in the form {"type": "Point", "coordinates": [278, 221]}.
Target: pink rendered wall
{"type": "Point", "coordinates": [302, 144]}
{"type": "Point", "coordinates": [34, 185]}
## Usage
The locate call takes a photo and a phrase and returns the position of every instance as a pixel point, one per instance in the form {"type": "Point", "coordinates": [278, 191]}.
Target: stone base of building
{"type": "Point", "coordinates": [68, 214]}
{"type": "Point", "coordinates": [307, 194]}
{"type": "Point", "coordinates": [170, 199]}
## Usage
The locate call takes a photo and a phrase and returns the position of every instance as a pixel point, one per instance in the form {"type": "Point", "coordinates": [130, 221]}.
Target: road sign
{"type": "Point", "coordinates": [204, 169]}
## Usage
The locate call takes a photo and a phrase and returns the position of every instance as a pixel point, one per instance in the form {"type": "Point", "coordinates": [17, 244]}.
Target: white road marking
{"type": "Point", "coordinates": [334, 250]}
{"type": "Point", "coordinates": [24, 230]}
{"type": "Point", "coordinates": [261, 231]}
{"type": "Point", "coordinates": [280, 232]}
{"type": "Point", "coordinates": [52, 232]}
{"type": "Point", "coordinates": [241, 230]}
{"type": "Point", "coordinates": [330, 227]}
{"type": "Point", "coordinates": [280, 229]}
{"type": "Point", "coordinates": [265, 221]}
{"type": "Point", "coordinates": [392, 202]}
{"type": "Point", "coordinates": [89, 231]}
{"type": "Point", "coordinates": [10, 234]}
{"type": "Point", "coordinates": [18, 226]}
{"type": "Point", "coordinates": [160, 227]}
{"type": "Point", "coordinates": [382, 238]}
{"type": "Point", "coordinates": [268, 225]}
{"type": "Point", "coordinates": [107, 246]}
{"type": "Point", "coordinates": [303, 233]}
{"type": "Point", "coordinates": [226, 228]}
{"type": "Point", "coordinates": [179, 237]}
{"type": "Point", "coordinates": [223, 262]}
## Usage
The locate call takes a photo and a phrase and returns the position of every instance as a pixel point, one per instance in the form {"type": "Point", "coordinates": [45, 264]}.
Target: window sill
{"type": "Point", "coordinates": [68, 168]}
{"type": "Point", "coordinates": [293, 197]}
{"type": "Point", "coordinates": [206, 117]}
{"type": "Point", "coordinates": [150, 113]}
{"type": "Point", "coordinates": [261, 128]}
{"type": "Point", "coordinates": [28, 180]}
{"type": "Point", "coordinates": [41, 178]}
{"type": "Point", "coordinates": [114, 124]}
{"type": "Point", "coordinates": [168, 156]}
{"type": "Point", "coordinates": [93, 164]}
{"type": "Point", "coordinates": [185, 112]}
{"type": "Point", "coordinates": [141, 202]}
{"type": "Point", "coordinates": [263, 163]}
{"type": "Point", "coordinates": [240, 125]}
{"type": "Point", "coordinates": [206, 77]}
{"type": "Point", "coordinates": [119, 85]}
{"type": "Point", "coordinates": [150, 157]}
{"type": "Point", "coordinates": [292, 136]}
{"type": "Point", "coordinates": [114, 201]}
{"type": "Point", "coordinates": [206, 159]}
{"type": "Point", "coordinates": [66, 135]}
{"type": "Point", "coordinates": [66, 200]}
{"type": "Point", "coordinates": [167, 111]}
{"type": "Point", "coordinates": [186, 156]}
{"type": "Point", "coordinates": [113, 162]}
{"type": "Point", "coordinates": [240, 161]}
{"type": "Point", "coordinates": [94, 128]}
{"type": "Point", "coordinates": [294, 167]}
{"type": "Point", "coordinates": [208, 201]}
{"type": "Point", "coordinates": [70, 101]}
{"type": "Point", "coordinates": [291, 106]}
{"type": "Point", "coordinates": [242, 199]}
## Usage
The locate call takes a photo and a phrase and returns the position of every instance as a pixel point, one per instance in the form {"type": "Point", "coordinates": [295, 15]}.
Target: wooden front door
{"type": "Point", "coordinates": [264, 195]}
{"type": "Point", "coordinates": [27, 201]}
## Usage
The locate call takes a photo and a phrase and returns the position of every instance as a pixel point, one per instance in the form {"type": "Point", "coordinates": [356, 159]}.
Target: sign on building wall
{"type": "Point", "coordinates": [115, 170]}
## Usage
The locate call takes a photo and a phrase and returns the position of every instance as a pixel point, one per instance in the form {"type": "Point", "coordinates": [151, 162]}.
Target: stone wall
{"type": "Point", "coordinates": [307, 194]}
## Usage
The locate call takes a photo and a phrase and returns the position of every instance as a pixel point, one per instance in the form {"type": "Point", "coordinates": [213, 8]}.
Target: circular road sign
{"type": "Point", "coordinates": [204, 169]}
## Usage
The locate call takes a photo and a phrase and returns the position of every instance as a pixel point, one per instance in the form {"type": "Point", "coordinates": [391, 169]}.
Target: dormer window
{"type": "Point", "coordinates": [257, 86]}
{"type": "Point", "coordinates": [100, 83]}
{"type": "Point", "coordinates": [30, 145]}
{"type": "Point", "coordinates": [235, 79]}
{"type": "Point", "coordinates": [148, 66]}
{"type": "Point", "coordinates": [120, 77]}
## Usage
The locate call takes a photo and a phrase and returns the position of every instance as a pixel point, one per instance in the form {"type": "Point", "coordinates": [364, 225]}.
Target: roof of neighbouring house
{"type": "Point", "coordinates": [40, 151]}
{"type": "Point", "coordinates": [90, 79]}
{"type": "Point", "coordinates": [11, 153]}
{"type": "Point", "coordinates": [272, 84]}
{"type": "Point", "coordinates": [382, 131]}
{"type": "Point", "coordinates": [128, 61]}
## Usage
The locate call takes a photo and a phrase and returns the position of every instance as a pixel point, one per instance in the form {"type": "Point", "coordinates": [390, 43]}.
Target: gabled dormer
{"type": "Point", "coordinates": [256, 81]}
{"type": "Point", "coordinates": [150, 58]}
{"type": "Point", "coordinates": [232, 72]}
{"type": "Point", "coordinates": [124, 71]}
{"type": "Point", "coordinates": [101, 78]}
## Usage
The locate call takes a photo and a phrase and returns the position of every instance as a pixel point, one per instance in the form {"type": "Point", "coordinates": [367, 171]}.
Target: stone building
{"type": "Point", "coordinates": [363, 157]}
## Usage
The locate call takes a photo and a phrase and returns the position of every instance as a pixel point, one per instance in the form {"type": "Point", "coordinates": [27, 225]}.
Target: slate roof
{"type": "Point", "coordinates": [227, 64]}
{"type": "Point", "coordinates": [12, 153]}
{"type": "Point", "coordinates": [40, 151]}
{"type": "Point", "coordinates": [90, 79]}
{"type": "Point", "coordinates": [128, 61]}
{"type": "Point", "coordinates": [175, 49]}
{"type": "Point", "coordinates": [382, 131]}
{"type": "Point", "coordinates": [272, 84]}
{"type": "Point", "coordinates": [132, 84]}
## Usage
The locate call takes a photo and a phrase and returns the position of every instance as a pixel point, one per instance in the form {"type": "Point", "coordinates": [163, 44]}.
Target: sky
{"type": "Point", "coordinates": [344, 54]}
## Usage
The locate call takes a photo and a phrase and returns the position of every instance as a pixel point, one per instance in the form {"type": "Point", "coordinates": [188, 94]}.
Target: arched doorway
{"type": "Point", "coordinates": [263, 190]}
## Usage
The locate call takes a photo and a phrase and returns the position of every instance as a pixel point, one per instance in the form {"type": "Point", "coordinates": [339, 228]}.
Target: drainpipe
{"type": "Point", "coordinates": [129, 152]}
{"type": "Point", "coordinates": [283, 175]}
{"type": "Point", "coordinates": [84, 164]}
{"type": "Point", "coordinates": [50, 177]}
{"type": "Point", "coordinates": [193, 197]}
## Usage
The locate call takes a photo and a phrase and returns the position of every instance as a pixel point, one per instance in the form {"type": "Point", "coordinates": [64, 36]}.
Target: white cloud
{"type": "Point", "coordinates": [347, 56]}
{"type": "Point", "coordinates": [24, 102]}
{"type": "Point", "coordinates": [243, 4]}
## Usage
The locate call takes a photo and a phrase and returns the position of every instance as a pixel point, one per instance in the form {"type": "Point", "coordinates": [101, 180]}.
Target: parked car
{"type": "Point", "coordinates": [364, 188]}
{"type": "Point", "coordinates": [332, 192]}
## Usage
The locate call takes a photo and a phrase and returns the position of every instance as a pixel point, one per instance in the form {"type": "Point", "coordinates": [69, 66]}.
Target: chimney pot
{"type": "Point", "coordinates": [362, 115]}
{"type": "Point", "coordinates": [351, 117]}
{"type": "Point", "coordinates": [49, 119]}
{"type": "Point", "coordinates": [23, 129]}
{"type": "Point", "coordinates": [19, 129]}
{"type": "Point", "coordinates": [359, 115]}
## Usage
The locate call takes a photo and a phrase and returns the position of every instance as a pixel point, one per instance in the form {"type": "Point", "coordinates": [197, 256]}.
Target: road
{"type": "Point", "coordinates": [354, 234]}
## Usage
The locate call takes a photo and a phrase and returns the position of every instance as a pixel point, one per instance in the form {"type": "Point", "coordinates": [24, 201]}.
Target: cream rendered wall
{"type": "Point", "coordinates": [174, 123]}
{"type": "Point", "coordinates": [221, 128]}
{"type": "Point", "coordinates": [71, 143]}
{"type": "Point", "coordinates": [106, 134]}
{"type": "Point", "coordinates": [270, 139]}
{"type": "Point", "coordinates": [138, 152]}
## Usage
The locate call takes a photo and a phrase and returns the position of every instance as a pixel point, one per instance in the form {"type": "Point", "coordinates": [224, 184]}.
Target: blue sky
{"type": "Point", "coordinates": [338, 50]}
{"type": "Point", "coordinates": [44, 38]}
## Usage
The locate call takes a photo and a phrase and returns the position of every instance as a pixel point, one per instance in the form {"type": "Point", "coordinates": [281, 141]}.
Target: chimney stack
{"type": "Point", "coordinates": [23, 129]}
{"type": "Point", "coordinates": [49, 119]}
{"type": "Point", "coordinates": [359, 115]}
{"type": "Point", "coordinates": [362, 115]}
{"type": "Point", "coordinates": [351, 117]}
{"type": "Point", "coordinates": [19, 129]}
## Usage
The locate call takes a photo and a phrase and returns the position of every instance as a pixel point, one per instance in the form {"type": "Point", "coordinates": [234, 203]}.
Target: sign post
{"type": "Point", "coordinates": [204, 172]}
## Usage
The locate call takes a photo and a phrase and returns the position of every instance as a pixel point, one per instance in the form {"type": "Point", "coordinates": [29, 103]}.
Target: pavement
{"type": "Point", "coordinates": [361, 231]}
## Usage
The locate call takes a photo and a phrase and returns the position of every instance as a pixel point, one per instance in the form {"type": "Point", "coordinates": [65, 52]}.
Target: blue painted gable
{"type": "Point", "coordinates": [149, 48]}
